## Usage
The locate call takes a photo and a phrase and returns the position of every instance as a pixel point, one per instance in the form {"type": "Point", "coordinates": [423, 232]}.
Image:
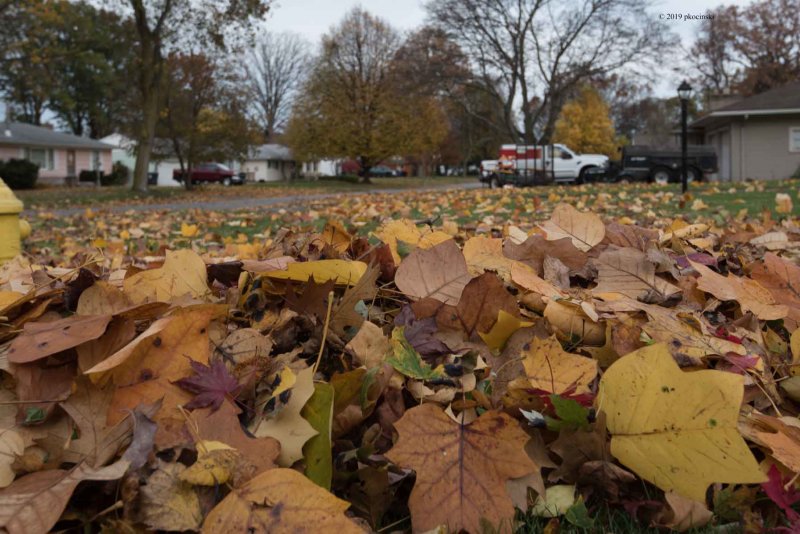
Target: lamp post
{"type": "Point", "coordinates": [684, 93]}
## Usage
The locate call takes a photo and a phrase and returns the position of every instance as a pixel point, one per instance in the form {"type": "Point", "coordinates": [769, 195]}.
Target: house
{"type": "Point", "coordinates": [269, 163]}
{"type": "Point", "coordinates": [323, 167]}
{"type": "Point", "coordinates": [123, 151]}
{"type": "Point", "coordinates": [756, 137]}
{"type": "Point", "coordinates": [59, 155]}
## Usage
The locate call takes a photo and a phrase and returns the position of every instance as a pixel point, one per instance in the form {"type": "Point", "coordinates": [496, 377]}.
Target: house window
{"type": "Point", "coordinates": [96, 164]}
{"type": "Point", "coordinates": [794, 139]}
{"type": "Point", "coordinates": [43, 157]}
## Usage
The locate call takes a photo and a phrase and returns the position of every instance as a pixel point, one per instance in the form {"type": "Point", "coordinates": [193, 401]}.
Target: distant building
{"type": "Point", "coordinates": [756, 137]}
{"type": "Point", "coordinates": [269, 163]}
{"type": "Point", "coordinates": [59, 155]}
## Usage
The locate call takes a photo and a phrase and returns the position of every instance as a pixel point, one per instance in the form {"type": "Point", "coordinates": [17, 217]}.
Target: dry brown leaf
{"type": "Point", "coordinates": [782, 440]}
{"type": "Point", "coordinates": [550, 368]}
{"type": "Point", "coordinates": [536, 248]}
{"type": "Point", "coordinates": [524, 276]}
{"type": "Point", "coordinates": [750, 295]}
{"type": "Point", "coordinates": [169, 503]}
{"type": "Point", "coordinates": [369, 346]}
{"type": "Point", "coordinates": [461, 470]}
{"type": "Point", "coordinates": [33, 503]}
{"type": "Point", "coordinates": [685, 514]}
{"type": "Point", "coordinates": [345, 319]}
{"type": "Point", "coordinates": [439, 272]}
{"type": "Point", "coordinates": [183, 273]}
{"type": "Point", "coordinates": [101, 298]}
{"type": "Point", "coordinates": [584, 229]}
{"type": "Point", "coordinates": [629, 272]}
{"type": "Point", "coordinates": [571, 322]}
{"type": "Point", "coordinates": [280, 501]}
{"type": "Point", "coordinates": [781, 278]}
{"type": "Point", "coordinates": [486, 254]}
{"type": "Point", "coordinates": [223, 425]}
{"type": "Point", "coordinates": [144, 370]}
{"type": "Point", "coordinates": [42, 339]}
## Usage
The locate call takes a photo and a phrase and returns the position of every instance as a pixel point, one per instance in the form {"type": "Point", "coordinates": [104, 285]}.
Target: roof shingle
{"type": "Point", "coordinates": [21, 134]}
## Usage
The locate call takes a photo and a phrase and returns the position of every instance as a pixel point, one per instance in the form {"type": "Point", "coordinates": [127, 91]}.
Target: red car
{"type": "Point", "coordinates": [210, 173]}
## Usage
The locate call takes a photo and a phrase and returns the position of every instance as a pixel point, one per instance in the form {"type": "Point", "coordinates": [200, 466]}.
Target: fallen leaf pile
{"type": "Point", "coordinates": [408, 376]}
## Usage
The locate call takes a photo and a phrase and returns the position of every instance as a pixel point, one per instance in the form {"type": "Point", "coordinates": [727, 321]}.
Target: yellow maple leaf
{"type": "Point", "coordinates": [675, 429]}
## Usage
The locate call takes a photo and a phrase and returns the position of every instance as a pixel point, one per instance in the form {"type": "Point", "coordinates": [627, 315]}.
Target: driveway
{"type": "Point", "coordinates": [248, 202]}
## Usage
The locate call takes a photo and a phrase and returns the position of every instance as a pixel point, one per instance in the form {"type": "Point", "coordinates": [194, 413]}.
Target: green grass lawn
{"type": "Point", "coordinates": [87, 196]}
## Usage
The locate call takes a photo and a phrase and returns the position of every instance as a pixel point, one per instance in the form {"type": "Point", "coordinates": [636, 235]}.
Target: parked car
{"type": "Point", "coordinates": [659, 165]}
{"type": "Point", "coordinates": [381, 171]}
{"type": "Point", "coordinates": [524, 165]}
{"type": "Point", "coordinates": [211, 173]}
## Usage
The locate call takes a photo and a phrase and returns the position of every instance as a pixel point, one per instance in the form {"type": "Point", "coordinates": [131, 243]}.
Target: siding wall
{"type": "Point", "coordinates": [83, 161]}
{"type": "Point", "coordinates": [759, 147]}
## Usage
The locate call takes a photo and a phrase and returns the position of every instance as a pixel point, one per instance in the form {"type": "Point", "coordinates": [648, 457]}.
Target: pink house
{"type": "Point", "coordinates": [58, 154]}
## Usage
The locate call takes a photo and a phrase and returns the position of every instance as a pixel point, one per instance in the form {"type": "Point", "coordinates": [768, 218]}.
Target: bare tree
{"type": "Point", "coordinates": [276, 68]}
{"type": "Point", "coordinates": [533, 54]}
{"type": "Point", "coordinates": [749, 49]}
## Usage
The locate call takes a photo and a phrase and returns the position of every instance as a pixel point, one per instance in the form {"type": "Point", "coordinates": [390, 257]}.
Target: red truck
{"type": "Point", "coordinates": [210, 173]}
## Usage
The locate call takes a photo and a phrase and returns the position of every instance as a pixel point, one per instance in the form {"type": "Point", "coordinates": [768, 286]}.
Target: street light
{"type": "Point", "coordinates": [684, 93]}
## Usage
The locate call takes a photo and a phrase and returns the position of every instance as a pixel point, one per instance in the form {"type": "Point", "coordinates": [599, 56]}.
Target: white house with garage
{"type": "Point", "coordinates": [269, 163]}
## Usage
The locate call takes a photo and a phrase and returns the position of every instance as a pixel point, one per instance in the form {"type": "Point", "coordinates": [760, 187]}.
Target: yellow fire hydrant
{"type": "Point", "coordinates": [12, 228]}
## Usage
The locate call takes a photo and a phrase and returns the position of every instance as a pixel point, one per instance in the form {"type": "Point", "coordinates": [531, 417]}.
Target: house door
{"type": "Point", "coordinates": [70, 163]}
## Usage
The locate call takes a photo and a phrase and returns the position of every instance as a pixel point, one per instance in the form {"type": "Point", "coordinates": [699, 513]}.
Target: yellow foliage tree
{"type": "Point", "coordinates": [585, 125]}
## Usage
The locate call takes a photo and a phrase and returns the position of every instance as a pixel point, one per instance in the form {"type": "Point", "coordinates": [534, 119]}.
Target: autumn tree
{"type": "Point", "coordinates": [276, 68]}
{"type": "Point", "coordinates": [351, 105]}
{"type": "Point", "coordinates": [163, 26]}
{"type": "Point", "coordinates": [533, 54]}
{"type": "Point", "coordinates": [203, 116]}
{"type": "Point", "coordinates": [749, 49]}
{"type": "Point", "coordinates": [585, 125]}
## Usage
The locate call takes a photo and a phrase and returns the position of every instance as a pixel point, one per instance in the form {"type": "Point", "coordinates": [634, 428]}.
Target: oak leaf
{"type": "Point", "coordinates": [183, 273]}
{"type": "Point", "coordinates": [461, 469]}
{"type": "Point", "coordinates": [280, 501]}
{"type": "Point", "coordinates": [584, 229]}
{"type": "Point", "coordinates": [676, 429]}
{"type": "Point", "coordinates": [750, 295]}
{"type": "Point", "coordinates": [439, 272]}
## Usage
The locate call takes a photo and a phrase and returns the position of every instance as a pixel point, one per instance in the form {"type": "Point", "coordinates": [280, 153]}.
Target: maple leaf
{"type": "Point", "coordinates": [211, 384]}
{"type": "Point", "coordinates": [461, 469]}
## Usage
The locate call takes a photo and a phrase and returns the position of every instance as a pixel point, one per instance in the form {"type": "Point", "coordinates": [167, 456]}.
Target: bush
{"type": "Point", "coordinates": [88, 176]}
{"type": "Point", "coordinates": [19, 173]}
{"type": "Point", "coordinates": [118, 176]}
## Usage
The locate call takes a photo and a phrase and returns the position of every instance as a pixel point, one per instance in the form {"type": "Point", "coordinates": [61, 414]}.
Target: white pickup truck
{"type": "Point", "coordinates": [541, 164]}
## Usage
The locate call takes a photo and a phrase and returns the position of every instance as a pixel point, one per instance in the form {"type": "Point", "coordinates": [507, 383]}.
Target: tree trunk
{"type": "Point", "coordinates": [146, 137]}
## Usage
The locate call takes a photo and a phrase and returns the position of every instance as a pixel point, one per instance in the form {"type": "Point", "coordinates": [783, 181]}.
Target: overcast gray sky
{"type": "Point", "coordinates": [312, 18]}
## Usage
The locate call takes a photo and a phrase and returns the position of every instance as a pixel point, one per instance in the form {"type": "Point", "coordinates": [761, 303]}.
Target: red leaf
{"type": "Point", "coordinates": [775, 490]}
{"type": "Point", "coordinates": [211, 385]}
